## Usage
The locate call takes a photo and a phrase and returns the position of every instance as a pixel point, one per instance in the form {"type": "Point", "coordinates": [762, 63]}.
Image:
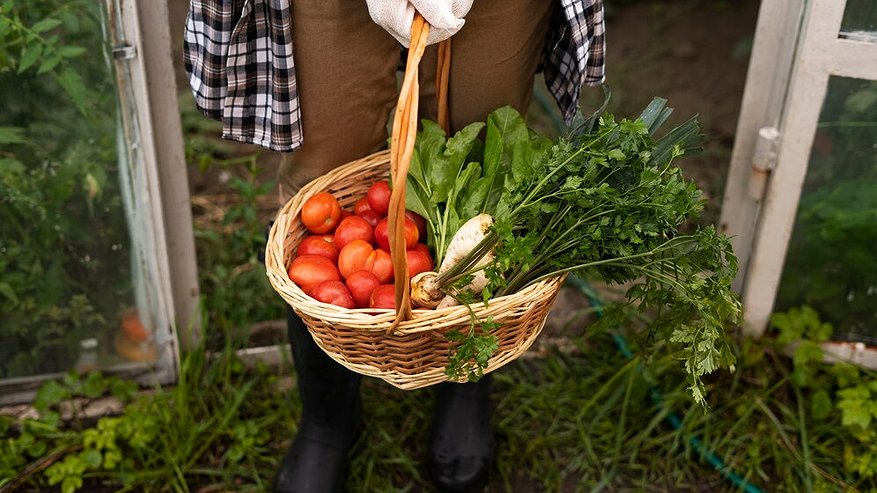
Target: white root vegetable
{"type": "Point", "coordinates": [425, 291]}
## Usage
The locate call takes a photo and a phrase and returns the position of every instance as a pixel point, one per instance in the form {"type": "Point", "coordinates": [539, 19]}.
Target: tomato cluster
{"type": "Point", "coordinates": [346, 260]}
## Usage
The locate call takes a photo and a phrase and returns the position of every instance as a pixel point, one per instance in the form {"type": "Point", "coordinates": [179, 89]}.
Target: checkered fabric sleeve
{"type": "Point", "coordinates": [238, 56]}
{"type": "Point", "coordinates": [575, 54]}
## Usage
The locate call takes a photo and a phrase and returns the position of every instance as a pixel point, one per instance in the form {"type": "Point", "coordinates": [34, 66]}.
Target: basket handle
{"type": "Point", "coordinates": [401, 149]}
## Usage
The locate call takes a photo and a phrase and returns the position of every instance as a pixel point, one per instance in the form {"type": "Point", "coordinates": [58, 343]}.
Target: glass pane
{"type": "Point", "coordinates": [66, 266]}
{"type": "Point", "coordinates": [832, 259]}
{"type": "Point", "coordinates": [860, 20]}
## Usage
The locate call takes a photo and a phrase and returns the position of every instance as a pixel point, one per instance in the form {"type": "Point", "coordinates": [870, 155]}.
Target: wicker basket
{"type": "Point", "coordinates": [407, 348]}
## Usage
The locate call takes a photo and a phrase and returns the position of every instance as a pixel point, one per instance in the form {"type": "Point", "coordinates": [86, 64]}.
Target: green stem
{"type": "Point", "coordinates": [454, 278]}
{"type": "Point", "coordinates": [444, 220]}
{"type": "Point", "coordinates": [618, 260]}
{"type": "Point", "coordinates": [657, 275]}
{"type": "Point", "coordinates": [517, 271]}
{"type": "Point", "coordinates": [536, 189]}
{"type": "Point", "coordinates": [554, 249]}
{"type": "Point", "coordinates": [805, 445]}
{"type": "Point", "coordinates": [440, 245]}
{"type": "Point", "coordinates": [521, 279]}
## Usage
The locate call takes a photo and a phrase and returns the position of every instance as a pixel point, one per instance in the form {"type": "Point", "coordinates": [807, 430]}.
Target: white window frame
{"type": "Point", "coordinates": [797, 48]}
{"type": "Point", "coordinates": [145, 27]}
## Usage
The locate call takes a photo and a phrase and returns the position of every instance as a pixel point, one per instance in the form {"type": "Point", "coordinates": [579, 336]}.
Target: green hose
{"type": "Point", "coordinates": [657, 398]}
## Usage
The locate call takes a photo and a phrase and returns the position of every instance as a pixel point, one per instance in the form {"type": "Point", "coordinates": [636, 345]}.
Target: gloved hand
{"type": "Point", "coordinates": [445, 17]}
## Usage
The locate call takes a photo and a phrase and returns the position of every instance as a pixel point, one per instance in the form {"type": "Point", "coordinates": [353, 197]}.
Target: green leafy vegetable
{"type": "Point", "coordinates": [606, 202]}
{"type": "Point", "coordinates": [474, 351]}
{"type": "Point", "coordinates": [452, 180]}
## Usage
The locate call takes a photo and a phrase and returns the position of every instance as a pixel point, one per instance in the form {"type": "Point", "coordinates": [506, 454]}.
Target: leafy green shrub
{"type": "Point", "coordinates": [832, 255]}
{"type": "Point", "coordinates": [215, 425]}
{"type": "Point", "coordinates": [63, 233]}
{"type": "Point", "coordinates": [831, 262]}
{"type": "Point", "coordinates": [838, 392]}
{"type": "Point", "coordinates": [234, 285]}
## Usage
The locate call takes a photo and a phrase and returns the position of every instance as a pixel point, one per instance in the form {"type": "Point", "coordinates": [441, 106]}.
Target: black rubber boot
{"type": "Point", "coordinates": [330, 423]}
{"type": "Point", "coordinates": [461, 449]}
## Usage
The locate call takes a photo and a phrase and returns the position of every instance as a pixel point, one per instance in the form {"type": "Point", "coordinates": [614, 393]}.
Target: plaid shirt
{"type": "Point", "coordinates": [238, 55]}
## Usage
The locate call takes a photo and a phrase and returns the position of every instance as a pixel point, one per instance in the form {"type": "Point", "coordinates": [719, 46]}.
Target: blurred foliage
{"type": "Point", "coordinates": [859, 15]}
{"type": "Point", "coordinates": [231, 273]}
{"type": "Point", "coordinates": [831, 262]}
{"type": "Point", "coordinates": [62, 232]}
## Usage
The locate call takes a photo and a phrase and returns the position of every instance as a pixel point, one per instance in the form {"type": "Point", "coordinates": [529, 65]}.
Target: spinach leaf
{"type": "Point", "coordinates": [445, 166]}
{"type": "Point", "coordinates": [474, 189]}
{"type": "Point", "coordinates": [428, 149]}
{"type": "Point", "coordinates": [417, 201]}
{"type": "Point", "coordinates": [505, 128]}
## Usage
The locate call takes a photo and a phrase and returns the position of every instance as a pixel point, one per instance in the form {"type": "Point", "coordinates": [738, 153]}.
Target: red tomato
{"type": "Point", "coordinates": [330, 239]}
{"type": "Point", "coordinates": [378, 197]}
{"type": "Point", "coordinates": [382, 231]}
{"type": "Point", "coordinates": [309, 270]}
{"type": "Point", "coordinates": [344, 214]}
{"type": "Point", "coordinates": [335, 293]}
{"type": "Point", "coordinates": [421, 247]}
{"type": "Point", "coordinates": [353, 228]}
{"type": "Point", "coordinates": [371, 217]}
{"type": "Point", "coordinates": [412, 235]}
{"type": "Point", "coordinates": [321, 213]}
{"type": "Point", "coordinates": [353, 256]}
{"type": "Point", "coordinates": [417, 262]}
{"type": "Point", "coordinates": [384, 296]}
{"type": "Point", "coordinates": [419, 221]}
{"type": "Point", "coordinates": [361, 206]}
{"type": "Point", "coordinates": [317, 245]}
{"type": "Point", "coordinates": [380, 264]}
{"type": "Point", "coordinates": [133, 327]}
{"type": "Point", "coordinates": [361, 284]}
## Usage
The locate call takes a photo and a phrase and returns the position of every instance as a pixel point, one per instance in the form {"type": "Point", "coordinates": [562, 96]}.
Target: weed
{"type": "Point", "coordinates": [215, 425]}
{"type": "Point", "coordinates": [588, 421]}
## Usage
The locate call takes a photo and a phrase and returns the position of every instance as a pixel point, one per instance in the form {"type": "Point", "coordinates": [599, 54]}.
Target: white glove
{"type": "Point", "coordinates": [445, 17]}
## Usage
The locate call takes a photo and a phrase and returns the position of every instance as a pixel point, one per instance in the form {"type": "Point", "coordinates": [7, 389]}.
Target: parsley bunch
{"type": "Point", "coordinates": [607, 202]}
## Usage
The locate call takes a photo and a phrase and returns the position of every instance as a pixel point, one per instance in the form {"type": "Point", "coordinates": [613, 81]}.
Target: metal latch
{"type": "Point", "coordinates": [763, 161]}
{"type": "Point", "coordinates": [124, 52]}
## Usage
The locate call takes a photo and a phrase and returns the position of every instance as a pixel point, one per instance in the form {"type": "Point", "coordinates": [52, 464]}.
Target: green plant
{"type": "Point", "coordinates": [235, 288]}
{"type": "Point", "coordinates": [849, 389]}
{"type": "Point", "coordinates": [215, 425]}
{"type": "Point", "coordinates": [47, 438]}
{"type": "Point", "coordinates": [57, 174]}
{"type": "Point", "coordinates": [831, 263]}
{"type": "Point", "coordinates": [231, 274]}
{"type": "Point", "coordinates": [607, 201]}
{"type": "Point", "coordinates": [589, 419]}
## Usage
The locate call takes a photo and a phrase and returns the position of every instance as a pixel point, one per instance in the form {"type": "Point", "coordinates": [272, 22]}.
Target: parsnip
{"type": "Point", "coordinates": [425, 289]}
